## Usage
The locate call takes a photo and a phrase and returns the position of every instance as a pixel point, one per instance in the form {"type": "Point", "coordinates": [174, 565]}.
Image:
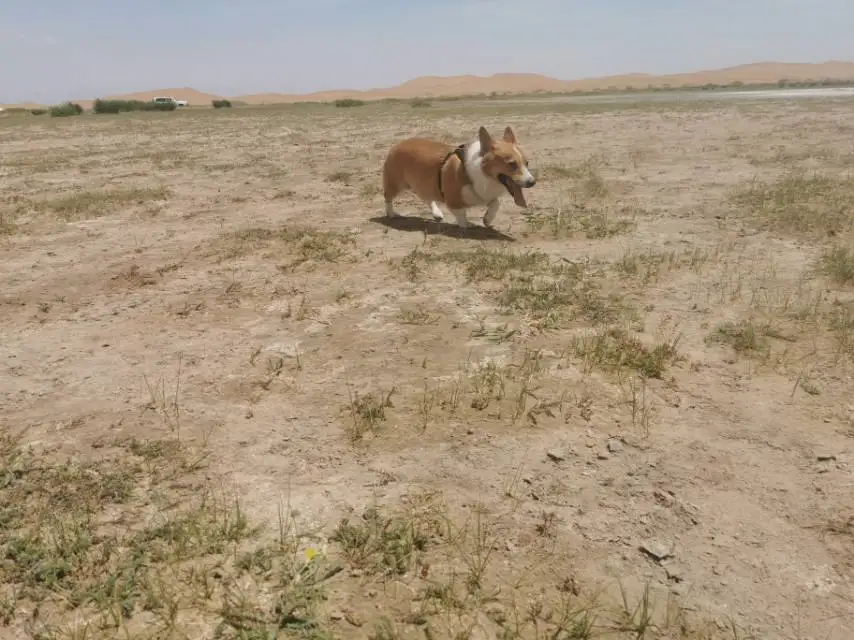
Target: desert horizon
{"type": "Point", "coordinates": [434, 86]}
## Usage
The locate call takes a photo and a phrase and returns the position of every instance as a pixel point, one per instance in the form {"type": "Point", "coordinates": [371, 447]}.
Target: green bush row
{"type": "Point", "coordinates": [120, 106]}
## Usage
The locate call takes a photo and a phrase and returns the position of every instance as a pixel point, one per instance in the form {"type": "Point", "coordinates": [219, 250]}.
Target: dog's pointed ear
{"type": "Point", "coordinates": [485, 140]}
{"type": "Point", "coordinates": [509, 136]}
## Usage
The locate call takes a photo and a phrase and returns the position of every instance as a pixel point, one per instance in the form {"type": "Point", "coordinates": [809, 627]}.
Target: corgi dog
{"type": "Point", "coordinates": [470, 175]}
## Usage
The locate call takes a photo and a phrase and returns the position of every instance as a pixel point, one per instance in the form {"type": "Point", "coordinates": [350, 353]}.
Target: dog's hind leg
{"type": "Point", "coordinates": [391, 189]}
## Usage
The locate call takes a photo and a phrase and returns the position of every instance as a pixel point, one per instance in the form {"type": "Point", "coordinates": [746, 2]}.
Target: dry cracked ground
{"type": "Point", "coordinates": [239, 403]}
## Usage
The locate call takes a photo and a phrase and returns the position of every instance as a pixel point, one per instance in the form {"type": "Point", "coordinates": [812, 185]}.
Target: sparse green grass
{"type": "Point", "coordinates": [309, 244]}
{"type": "Point", "coordinates": [79, 205]}
{"type": "Point", "coordinates": [528, 284]}
{"type": "Point", "coordinates": [594, 221]}
{"type": "Point", "coordinates": [418, 315]}
{"type": "Point", "coordinates": [811, 204]}
{"type": "Point", "coordinates": [8, 225]}
{"type": "Point", "coordinates": [483, 264]}
{"type": "Point", "coordinates": [840, 321]}
{"type": "Point", "coordinates": [649, 266]}
{"type": "Point", "coordinates": [341, 176]}
{"type": "Point", "coordinates": [745, 337]}
{"type": "Point", "coordinates": [615, 349]}
{"type": "Point", "coordinates": [112, 543]}
{"type": "Point", "coordinates": [383, 544]}
{"type": "Point", "coordinates": [838, 265]}
{"type": "Point", "coordinates": [552, 301]}
{"type": "Point", "coordinates": [367, 413]}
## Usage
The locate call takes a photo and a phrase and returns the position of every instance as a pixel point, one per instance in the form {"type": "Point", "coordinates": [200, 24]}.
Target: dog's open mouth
{"type": "Point", "coordinates": [514, 190]}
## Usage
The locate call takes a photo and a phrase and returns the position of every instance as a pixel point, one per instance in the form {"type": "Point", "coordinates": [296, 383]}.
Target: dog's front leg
{"type": "Point", "coordinates": [462, 218]}
{"type": "Point", "coordinates": [491, 212]}
{"type": "Point", "coordinates": [436, 211]}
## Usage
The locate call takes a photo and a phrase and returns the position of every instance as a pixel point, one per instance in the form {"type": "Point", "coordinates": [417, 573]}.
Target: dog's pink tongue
{"type": "Point", "coordinates": [518, 196]}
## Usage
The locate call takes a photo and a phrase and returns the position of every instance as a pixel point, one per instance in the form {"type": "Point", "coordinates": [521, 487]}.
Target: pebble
{"type": "Point", "coordinates": [555, 456]}
{"type": "Point", "coordinates": [657, 550]}
{"type": "Point", "coordinates": [615, 446]}
{"type": "Point", "coordinates": [826, 457]}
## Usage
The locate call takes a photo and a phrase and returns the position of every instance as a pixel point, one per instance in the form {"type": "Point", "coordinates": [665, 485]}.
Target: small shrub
{"type": "Point", "coordinates": [65, 110]}
{"type": "Point", "coordinates": [221, 104]}
{"type": "Point", "coordinates": [420, 103]}
{"type": "Point", "coordinates": [349, 102]}
{"type": "Point", "coordinates": [38, 112]}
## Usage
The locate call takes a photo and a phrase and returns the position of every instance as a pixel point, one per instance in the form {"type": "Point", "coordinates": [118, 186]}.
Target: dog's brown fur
{"type": "Point", "coordinates": [414, 164]}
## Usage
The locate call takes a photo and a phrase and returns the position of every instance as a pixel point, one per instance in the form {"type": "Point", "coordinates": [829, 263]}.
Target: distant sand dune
{"type": "Point", "coordinates": [517, 83]}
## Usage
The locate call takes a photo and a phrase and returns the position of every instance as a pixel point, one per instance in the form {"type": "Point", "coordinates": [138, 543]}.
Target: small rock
{"type": "Point", "coordinates": [658, 551]}
{"type": "Point", "coordinates": [826, 457]}
{"type": "Point", "coordinates": [615, 446]}
{"type": "Point", "coordinates": [470, 431]}
{"type": "Point", "coordinates": [603, 456]}
{"type": "Point", "coordinates": [336, 615]}
{"type": "Point", "coordinates": [674, 572]}
{"type": "Point", "coordinates": [372, 593]}
{"type": "Point", "coordinates": [663, 497]}
{"type": "Point", "coordinates": [555, 456]}
{"type": "Point", "coordinates": [353, 619]}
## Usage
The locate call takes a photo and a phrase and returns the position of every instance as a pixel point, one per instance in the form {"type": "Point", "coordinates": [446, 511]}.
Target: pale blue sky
{"type": "Point", "coordinates": [52, 50]}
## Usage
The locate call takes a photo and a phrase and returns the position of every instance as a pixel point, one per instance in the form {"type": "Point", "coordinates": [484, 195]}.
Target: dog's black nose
{"type": "Point", "coordinates": [531, 182]}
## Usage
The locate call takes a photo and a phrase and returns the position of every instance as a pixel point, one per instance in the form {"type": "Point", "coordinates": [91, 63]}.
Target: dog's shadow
{"type": "Point", "coordinates": [435, 227]}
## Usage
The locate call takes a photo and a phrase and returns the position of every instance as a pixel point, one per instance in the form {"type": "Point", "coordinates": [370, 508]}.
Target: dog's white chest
{"type": "Point", "coordinates": [483, 189]}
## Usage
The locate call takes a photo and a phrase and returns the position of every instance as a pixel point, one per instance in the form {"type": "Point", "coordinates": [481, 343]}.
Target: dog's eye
{"type": "Point", "coordinates": [512, 165]}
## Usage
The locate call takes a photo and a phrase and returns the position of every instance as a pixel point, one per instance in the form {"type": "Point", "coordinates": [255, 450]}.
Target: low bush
{"type": "Point", "coordinates": [120, 106]}
{"type": "Point", "coordinates": [221, 104]}
{"type": "Point", "coordinates": [65, 109]}
{"type": "Point", "coordinates": [349, 102]}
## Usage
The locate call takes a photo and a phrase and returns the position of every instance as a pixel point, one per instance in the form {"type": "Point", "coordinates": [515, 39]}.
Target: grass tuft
{"type": "Point", "coordinates": [309, 244]}
{"type": "Point", "coordinates": [615, 349]}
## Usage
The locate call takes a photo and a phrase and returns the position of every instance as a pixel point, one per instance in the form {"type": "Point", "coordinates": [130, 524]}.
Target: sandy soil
{"type": "Point", "coordinates": [224, 279]}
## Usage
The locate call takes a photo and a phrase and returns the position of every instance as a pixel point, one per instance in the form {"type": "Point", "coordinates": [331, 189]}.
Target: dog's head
{"type": "Point", "coordinates": [505, 161]}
